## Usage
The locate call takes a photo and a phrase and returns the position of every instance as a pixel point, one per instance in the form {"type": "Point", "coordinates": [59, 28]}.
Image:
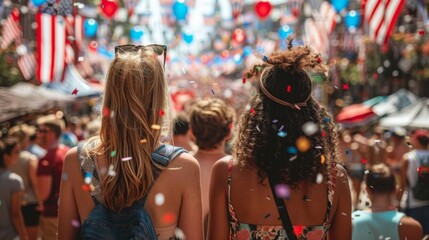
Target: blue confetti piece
{"type": "Point", "coordinates": [292, 150]}
{"type": "Point", "coordinates": [88, 175]}
{"type": "Point", "coordinates": [326, 120]}
{"type": "Point", "coordinates": [282, 134]}
{"type": "Point", "coordinates": [265, 58]}
{"type": "Point", "coordinates": [347, 151]}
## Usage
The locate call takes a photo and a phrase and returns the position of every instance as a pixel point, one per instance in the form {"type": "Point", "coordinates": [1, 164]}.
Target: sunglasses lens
{"type": "Point", "coordinates": [159, 50]}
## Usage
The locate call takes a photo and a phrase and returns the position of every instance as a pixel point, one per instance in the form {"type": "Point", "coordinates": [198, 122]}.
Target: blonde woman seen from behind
{"type": "Point", "coordinates": [135, 94]}
{"type": "Point", "coordinates": [288, 137]}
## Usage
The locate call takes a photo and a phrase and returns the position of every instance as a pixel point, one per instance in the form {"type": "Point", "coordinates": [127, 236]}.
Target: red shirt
{"type": "Point", "coordinates": [52, 165]}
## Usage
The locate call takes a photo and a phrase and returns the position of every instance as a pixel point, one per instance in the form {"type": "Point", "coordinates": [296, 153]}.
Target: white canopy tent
{"type": "Point", "coordinates": [415, 115]}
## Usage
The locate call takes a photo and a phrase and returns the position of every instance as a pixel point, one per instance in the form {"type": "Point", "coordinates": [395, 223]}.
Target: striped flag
{"type": "Point", "coordinates": [27, 64]}
{"type": "Point", "coordinates": [51, 47]}
{"type": "Point", "coordinates": [11, 30]}
{"type": "Point", "coordinates": [380, 17]}
{"type": "Point", "coordinates": [327, 15]}
{"type": "Point", "coordinates": [318, 31]}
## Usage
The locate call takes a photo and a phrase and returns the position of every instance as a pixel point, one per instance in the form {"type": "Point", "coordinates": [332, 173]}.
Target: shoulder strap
{"type": "Point", "coordinates": [281, 207]}
{"type": "Point", "coordinates": [166, 153]}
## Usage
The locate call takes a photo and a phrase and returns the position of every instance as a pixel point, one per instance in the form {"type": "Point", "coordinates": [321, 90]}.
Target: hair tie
{"type": "Point", "coordinates": [279, 101]}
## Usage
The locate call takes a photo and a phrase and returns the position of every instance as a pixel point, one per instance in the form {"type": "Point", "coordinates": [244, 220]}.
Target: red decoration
{"type": "Point", "coordinates": [93, 45]}
{"type": "Point", "coordinates": [263, 8]}
{"type": "Point", "coordinates": [238, 36]}
{"type": "Point", "coordinates": [109, 7]}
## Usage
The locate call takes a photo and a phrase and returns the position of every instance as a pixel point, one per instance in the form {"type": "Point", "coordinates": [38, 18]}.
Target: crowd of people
{"type": "Point", "coordinates": [281, 169]}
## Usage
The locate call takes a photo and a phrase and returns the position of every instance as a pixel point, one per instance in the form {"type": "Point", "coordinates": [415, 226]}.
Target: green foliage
{"type": "Point", "coordinates": [9, 72]}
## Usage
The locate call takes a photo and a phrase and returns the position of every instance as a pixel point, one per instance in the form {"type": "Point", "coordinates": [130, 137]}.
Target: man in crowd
{"type": "Point", "coordinates": [49, 171]}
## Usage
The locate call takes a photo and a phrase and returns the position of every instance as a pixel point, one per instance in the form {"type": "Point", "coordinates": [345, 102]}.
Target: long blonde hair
{"type": "Point", "coordinates": [135, 94]}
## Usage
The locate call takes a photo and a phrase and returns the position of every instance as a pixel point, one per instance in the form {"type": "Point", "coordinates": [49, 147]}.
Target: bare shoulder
{"type": "Point", "coordinates": [409, 228]}
{"type": "Point", "coordinates": [188, 166]}
{"type": "Point", "coordinates": [222, 164]}
{"type": "Point", "coordinates": [71, 157]}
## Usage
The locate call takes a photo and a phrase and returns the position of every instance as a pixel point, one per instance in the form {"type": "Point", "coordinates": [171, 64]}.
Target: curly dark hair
{"type": "Point", "coordinates": [259, 144]}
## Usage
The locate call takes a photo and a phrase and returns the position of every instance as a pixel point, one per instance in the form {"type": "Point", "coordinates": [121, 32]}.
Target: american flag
{"type": "Point", "coordinates": [380, 17]}
{"type": "Point", "coordinates": [318, 29]}
{"type": "Point", "coordinates": [51, 47]}
{"type": "Point", "coordinates": [55, 40]}
{"type": "Point", "coordinates": [27, 64]}
{"type": "Point", "coordinates": [11, 30]}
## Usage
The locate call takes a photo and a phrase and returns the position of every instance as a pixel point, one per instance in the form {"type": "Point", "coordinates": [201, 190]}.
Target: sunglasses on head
{"type": "Point", "coordinates": [157, 49]}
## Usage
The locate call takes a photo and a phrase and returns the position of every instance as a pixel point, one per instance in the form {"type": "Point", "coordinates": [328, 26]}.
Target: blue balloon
{"type": "Point", "coordinates": [136, 34]}
{"type": "Point", "coordinates": [90, 27]}
{"type": "Point", "coordinates": [187, 37]}
{"type": "Point", "coordinates": [38, 3]}
{"type": "Point", "coordinates": [352, 19]}
{"type": "Point", "coordinates": [284, 31]}
{"type": "Point", "coordinates": [339, 5]}
{"type": "Point", "coordinates": [180, 10]}
{"type": "Point", "coordinates": [247, 50]}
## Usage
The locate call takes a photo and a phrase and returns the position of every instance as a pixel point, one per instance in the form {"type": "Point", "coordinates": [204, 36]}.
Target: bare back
{"type": "Point", "coordinates": [179, 185]}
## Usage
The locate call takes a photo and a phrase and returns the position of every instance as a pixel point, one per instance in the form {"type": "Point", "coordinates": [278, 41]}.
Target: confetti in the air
{"type": "Point", "coordinates": [156, 127]}
{"type": "Point", "coordinates": [65, 176]}
{"type": "Point", "coordinates": [75, 223]}
{"type": "Point", "coordinates": [322, 159]}
{"type": "Point", "coordinates": [159, 199]}
{"type": "Point", "coordinates": [319, 178]}
{"type": "Point", "coordinates": [113, 153]}
{"type": "Point", "coordinates": [126, 159]}
{"type": "Point", "coordinates": [168, 218]}
{"type": "Point", "coordinates": [265, 58]}
{"type": "Point", "coordinates": [179, 234]}
{"type": "Point", "coordinates": [288, 89]}
{"type": "Point", "coordinates": [244, 80]}
{"type": "Point", "coordinates": [310, 128]}
{"type": "Point", "coordinates": [87, 178]}
{"type": "Point", "coordinates": [303, 144]}
{"type": "Point", "coordinates": [293, 158]}
{"type": "Point", "coordinates": [257, 128]}
{"type": "Point", "coordinates": [252, 111]}
{"type": "Point", "coordinates": [345, 87]}
{"type": "Point", "coordinates": [326, 120]}
{"type": "Point", "coordinates": [143, 141]}
{"type": "Point", "coordinates": [282, 191]}
{"type": "Point", "coordinates": [292, 150]}
{"type": "Point", "coordinates": [282, 134]}
{"type": "Point", "coordinates": [161, 112]}
{"type": "Point", "coordinates": [111, 171]}
{"type": "Point", "coordinates": [267, 215]}
{"type": "Point", "coordinates": [213, 92]}
{"type": "Point", "coordinates": [75, 91]}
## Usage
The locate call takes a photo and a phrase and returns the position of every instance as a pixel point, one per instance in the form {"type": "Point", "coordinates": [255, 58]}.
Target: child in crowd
{"type": "Point", "coordinates": [382, 220]}
{"type": "Point", "coordinates": [211, 122]}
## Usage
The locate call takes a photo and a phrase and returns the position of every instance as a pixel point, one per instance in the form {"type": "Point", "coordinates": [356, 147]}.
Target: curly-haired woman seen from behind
{"type": "Point", "coordinates": [122, 169]}
{"type": "Point", "coordinates": [286, 138]}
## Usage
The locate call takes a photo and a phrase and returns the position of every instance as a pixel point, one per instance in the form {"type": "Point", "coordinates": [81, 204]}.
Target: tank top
{"type": "Point", "coordinates": [238, 230]}
{"type": "Point", "coordinates": [376, 225]}
{"type": "Point", "coordinates": [21, 168]}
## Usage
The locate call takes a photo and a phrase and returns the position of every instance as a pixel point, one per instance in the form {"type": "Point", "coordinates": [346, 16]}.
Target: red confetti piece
{"type": "Point", "coordinates": [298, 230]}
{"type": "Point", "coordinates": [363, 161]}
{"type": "Point", "coordinates": [252, 111]}
{"type": "Point", "coordinates": [161, 112]}
{"type": "Point", "coordinates": [168, 218]}
{"type": "Point", "coordinates": [319, 60]}
{"type": "Point", "coordinates": [75, 91]}
{"type": "Point", "coordinates": [421, 32]}
{"type": "Point", "coordinates": [244, 80]}
{"type": "Point", "coordinates": [288, 88]}
{"type": "Point", "coordinates": [323, 134]}
{"type": "Point", "coordinates": [106, 112]}
{"type": "Point", "coordinates": [345, 87]}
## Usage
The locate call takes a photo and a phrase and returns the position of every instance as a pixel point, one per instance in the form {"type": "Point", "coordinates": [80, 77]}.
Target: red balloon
{"type": "Point", "coordinates": [238, 36]}
{"type": "Point", "coordinates": [109, 7]}
{"type": "Point", "coordinates": [263, 8]}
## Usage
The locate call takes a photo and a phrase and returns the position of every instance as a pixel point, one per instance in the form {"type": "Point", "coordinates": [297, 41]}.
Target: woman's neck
{"type": "Point", "coordinates": [382, 203]}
